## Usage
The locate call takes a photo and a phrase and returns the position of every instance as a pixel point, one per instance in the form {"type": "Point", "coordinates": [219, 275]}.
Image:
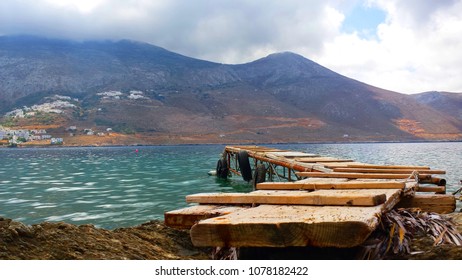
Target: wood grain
{"type": "Point", "coordinates": [307, 185]}
{"type": "Point", "coordinates": [283, 226]}
{"type": "Point", "coordinates": [320, 197]}
{"type": "Point", "coordinates": [393, 171]}
{"type": "Point", "coordinates": [185, 218]}
{"type": "Point", "coordinates": [442, 204]}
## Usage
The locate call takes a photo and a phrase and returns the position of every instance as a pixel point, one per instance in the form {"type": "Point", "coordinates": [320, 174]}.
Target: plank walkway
{"type": "Point", "coordinates": [307, 200]}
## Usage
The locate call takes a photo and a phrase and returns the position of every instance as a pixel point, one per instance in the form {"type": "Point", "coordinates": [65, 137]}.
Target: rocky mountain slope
{"type": "Point", "coordinates": [158, 96]}
{"type": "Point", "coordinates": [448, 102]}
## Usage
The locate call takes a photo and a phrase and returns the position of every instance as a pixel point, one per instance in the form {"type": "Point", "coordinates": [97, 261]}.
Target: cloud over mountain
{"type": "Point", "coordinates": [415, 49]}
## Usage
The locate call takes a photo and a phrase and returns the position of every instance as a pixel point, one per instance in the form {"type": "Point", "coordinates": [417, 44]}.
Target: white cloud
{"type": "Point", "coordinates": [84, 6]}
{"type": "Point", "coordinates": [230, 31]}
{"type": "Point", "coordinates": [416, 49]}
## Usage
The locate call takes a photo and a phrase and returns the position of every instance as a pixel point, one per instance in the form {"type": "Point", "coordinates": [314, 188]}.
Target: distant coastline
{"type": "Point", "coordinates": [20, 146]}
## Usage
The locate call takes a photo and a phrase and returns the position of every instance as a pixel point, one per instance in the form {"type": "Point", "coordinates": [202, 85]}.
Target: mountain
{"type": "Point", "coordinates": [448, 102]}
{"type": "Point", "coordinates": [156, 96]}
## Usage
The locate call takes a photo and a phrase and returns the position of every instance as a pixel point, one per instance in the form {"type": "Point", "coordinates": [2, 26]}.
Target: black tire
{"type": "Point", "coordinates": [222, 168]}
{"type": "Point", "coordinates": [244, 166]}
{"type": "Point", "coordinates": [259, 175]}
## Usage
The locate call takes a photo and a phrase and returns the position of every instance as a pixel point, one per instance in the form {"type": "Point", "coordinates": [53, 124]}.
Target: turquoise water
{"type": "Point", "coordinates": [113, 187]}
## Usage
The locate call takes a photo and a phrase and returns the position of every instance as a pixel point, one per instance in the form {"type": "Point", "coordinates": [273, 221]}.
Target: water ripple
{"type": "Point", "coordinates": [114, 187]}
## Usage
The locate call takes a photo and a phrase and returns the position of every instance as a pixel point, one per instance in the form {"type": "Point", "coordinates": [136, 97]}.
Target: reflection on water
{"type": "Point", "coordinates": [116, 187]}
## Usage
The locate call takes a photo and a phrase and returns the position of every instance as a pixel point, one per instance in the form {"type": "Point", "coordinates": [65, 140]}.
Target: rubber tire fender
{"type": "Point", "coordinates": [222, 168]}
{"type": "Point", "coordinates": [259, 175]}
{"type": "Point", "coordinates": [244, 166]}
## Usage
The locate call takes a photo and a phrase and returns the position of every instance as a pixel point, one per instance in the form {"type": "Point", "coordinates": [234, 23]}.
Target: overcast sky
{"type": "Point", "coordinates": [407, 46]}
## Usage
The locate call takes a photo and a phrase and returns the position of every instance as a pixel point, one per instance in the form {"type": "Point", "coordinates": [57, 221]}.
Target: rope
{"type": "Point", "coordinates": [414, 176]}
{"type": "Point", "coordinates": [458, 190]}
{"type": "Point", "coordinates": [409, 191]}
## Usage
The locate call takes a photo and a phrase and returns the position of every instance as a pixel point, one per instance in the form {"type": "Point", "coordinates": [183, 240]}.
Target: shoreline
{"type": "Point", "coordinates": [232, 143]}
{"type": "Point", "coordinates": [153, 240]}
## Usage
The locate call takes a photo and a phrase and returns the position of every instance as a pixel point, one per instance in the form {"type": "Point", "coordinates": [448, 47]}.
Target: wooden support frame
{"type": "Point", "coordinates": [289, 163]}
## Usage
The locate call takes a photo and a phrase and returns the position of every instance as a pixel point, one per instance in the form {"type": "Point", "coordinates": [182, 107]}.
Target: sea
{"type": "Point", "coordinates": [113, 187]}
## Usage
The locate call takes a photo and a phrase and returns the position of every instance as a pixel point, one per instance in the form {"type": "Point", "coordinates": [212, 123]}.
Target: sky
{"type": "Point", "coordinates": [406, 46]}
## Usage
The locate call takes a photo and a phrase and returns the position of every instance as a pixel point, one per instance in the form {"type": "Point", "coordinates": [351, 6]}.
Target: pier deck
{"type": "Point", "coordinates": [303, 199]}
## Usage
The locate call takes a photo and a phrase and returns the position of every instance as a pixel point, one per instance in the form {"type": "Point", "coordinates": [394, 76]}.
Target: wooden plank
{"type": "Point", "coordinates": [283, 226]}
{"type": "Point", "coordinates": [359, 175]}
{"type": "Point", "coordinates": [322, 159]}
{"type": "Point", "coordinates": [291, 154]}
{"type": "Point", "coordinates": [442, 204]}
{"type": "Point", "coordinates": [333, 165]}
{"type": "Point", "coordinates": [392, 171]}
{"type": "Point", "coordinates": [433, 180]}
{"type": "Point", "coordinates": [379, 166]}
{"type": "Point", "coordinates": [185, 218]}
{"type": "Point", "coordinates": [436, 189]}
{"type": "Point", "coordinates": [258, 149]}
{"type": "Point", "coordinates": [324, 180]}
{"type": "Point", "coordinates": [321, 197]}
{"type": "Point", "coordinates": [306, 185]}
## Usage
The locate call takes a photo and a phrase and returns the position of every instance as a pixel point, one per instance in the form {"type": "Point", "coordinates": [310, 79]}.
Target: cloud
{"type": "Point", "coordinates": [228, 31]}
{"type": "Point", "coordinates": [415, 49]}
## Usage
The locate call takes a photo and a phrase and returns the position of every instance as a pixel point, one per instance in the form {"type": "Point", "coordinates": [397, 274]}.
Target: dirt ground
{"type": "Point", "coordinates": [151, 241]}
{"type": "Point", "coordinates": [62, 241]}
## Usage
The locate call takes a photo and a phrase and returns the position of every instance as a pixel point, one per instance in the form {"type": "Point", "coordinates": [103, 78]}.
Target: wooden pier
{"type": "Point", "coordinates": [303, 199]}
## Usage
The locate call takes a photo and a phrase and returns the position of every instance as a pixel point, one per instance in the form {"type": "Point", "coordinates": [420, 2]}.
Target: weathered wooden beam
{"type": "Point", "coordinates": [333, 165]}
{"type": "Point", "coordinates": [437, 203]}
{"type": "Point", "coordinates": [379, 166]}
{"type": "Point", "coordinates": [392, 171]}
{"type": "Point", "coordinates": [360, 175]}
{"type": "Point", "coordinates": [433, 180]}
{"type": "Point", "coordinates": [291, 154]}
{"type": "Point", "coordinates": [289, 163]}
{"type": "Point", "coordinates": [279, 158]}
{"type": "Point", "coordinates": [322, 159]}
{"type": "Point", "coordinates": [307, 185]}
{"type": "Point", "coordinates": [259, 149]}
{"type": "Point", "coordinates": [284, 226]}
{"type": "Point", "coordinates": [435, 189]}
{"type": "Point", "coordinates": [185, 218]}
{"type": "Point", "coordinates": [320, 197]}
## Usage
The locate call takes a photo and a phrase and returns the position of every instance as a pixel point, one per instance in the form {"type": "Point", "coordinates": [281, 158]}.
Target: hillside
{"type": "Point", "coordinates": [149, 95]}
{"type": "Point", "coordinates": [448, 102]}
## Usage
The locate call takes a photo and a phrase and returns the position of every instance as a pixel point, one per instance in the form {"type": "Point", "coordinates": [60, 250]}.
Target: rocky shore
{"type": "Point", "coordinates": [62, 241]}
{"type": "Point", "coordinates": [152, 241]}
